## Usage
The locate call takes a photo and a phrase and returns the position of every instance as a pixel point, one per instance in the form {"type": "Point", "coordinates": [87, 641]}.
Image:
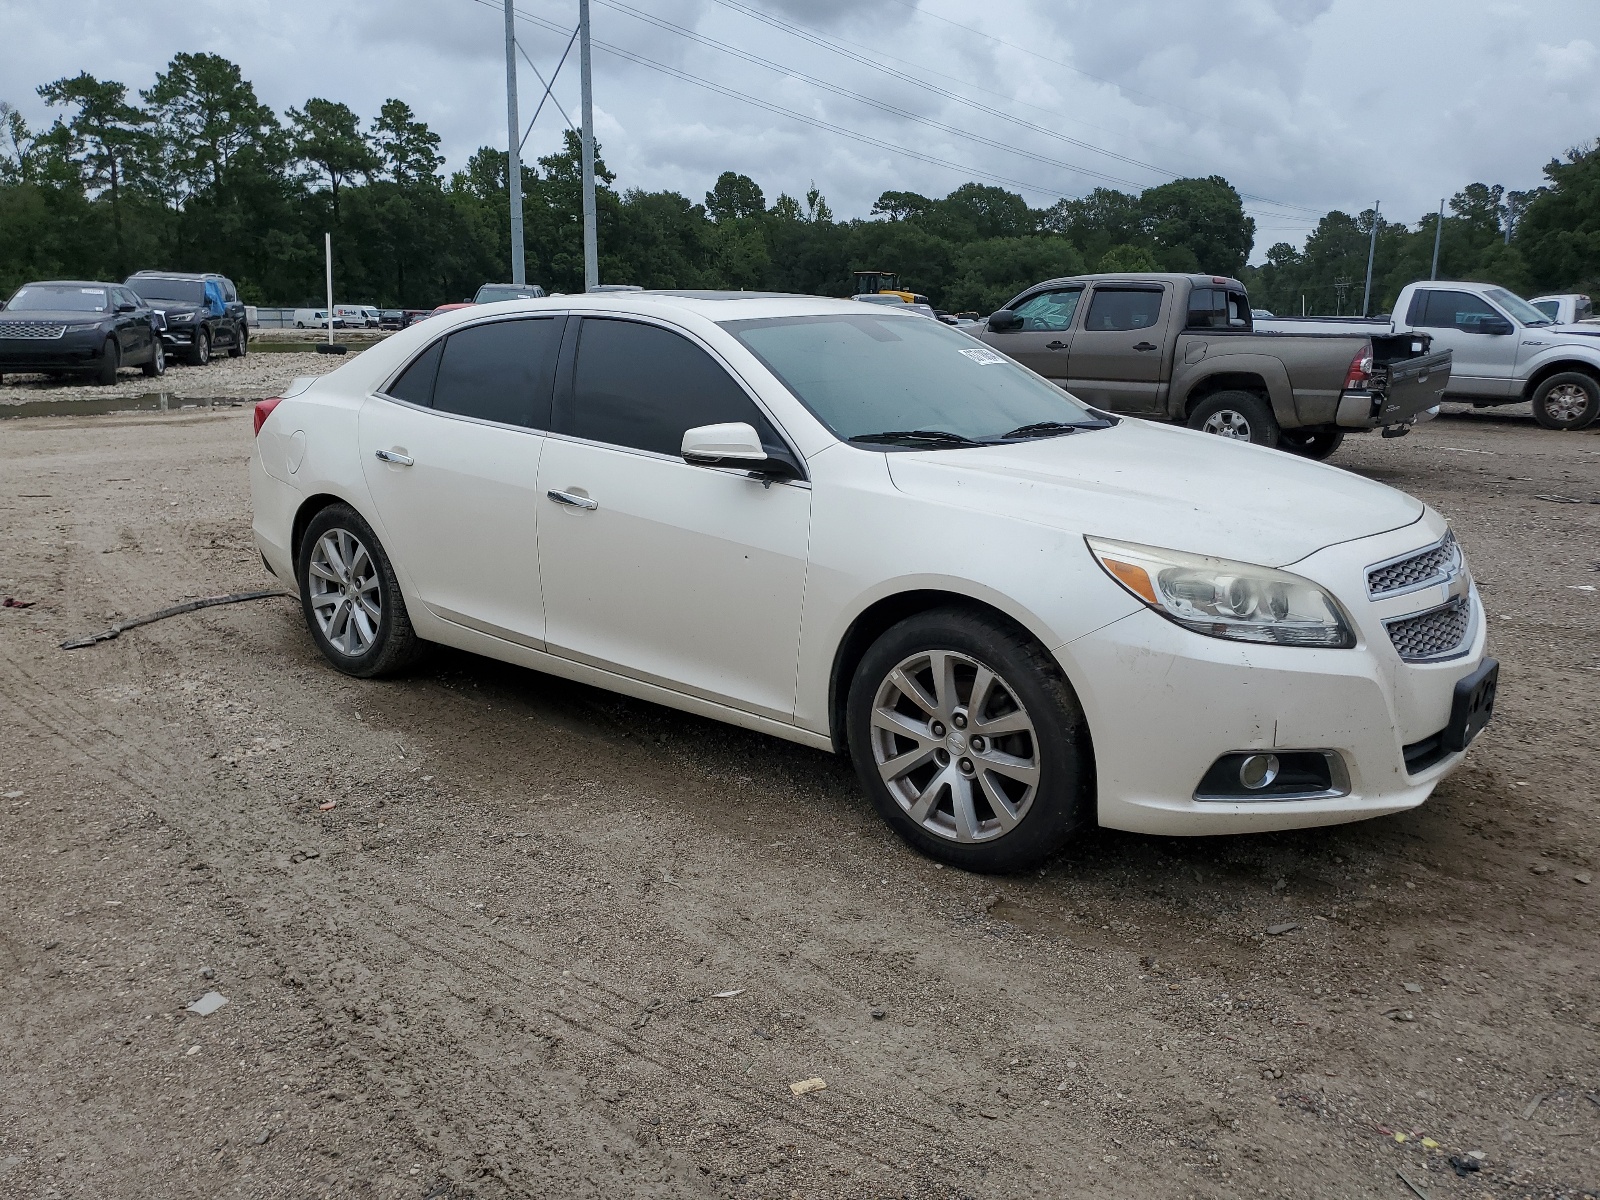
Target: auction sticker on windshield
{"type": "Point", "coordinates": [983, 357]}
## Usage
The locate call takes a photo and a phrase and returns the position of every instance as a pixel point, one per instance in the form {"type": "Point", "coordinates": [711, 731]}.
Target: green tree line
{"type": "Point", "coordinates": [196, 173]}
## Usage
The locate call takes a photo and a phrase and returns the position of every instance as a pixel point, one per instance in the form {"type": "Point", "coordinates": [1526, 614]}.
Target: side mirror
{"type": "Point", "coordinates": [1004, 321]}
{"type": "Point", "coordinates": [127, 308]}
{"type": "Point", "coordinates": [1494, 325]}
{"type": "Point", "coordinates": [733, 444]}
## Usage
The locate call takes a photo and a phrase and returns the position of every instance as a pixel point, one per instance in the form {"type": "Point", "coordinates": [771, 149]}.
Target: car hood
{"type": "Point", "coordinates": [1162, 486]}
{"type": "Point", "coordinates": [1581, 329]}
{"type": "Point", "coordinates": [66, 316]}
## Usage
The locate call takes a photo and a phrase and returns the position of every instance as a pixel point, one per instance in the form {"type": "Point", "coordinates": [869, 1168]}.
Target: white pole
{"type": "Point", "coordinates": [591, 253]}
{"type": "Point", "coordinates": [327, 251]}
{"type": "Point", "coordinates": [514, 151]}
{"type": "Point", "coordinates": [1438, 234]}
{"type": "Point", "coordinates": [1372, 250]}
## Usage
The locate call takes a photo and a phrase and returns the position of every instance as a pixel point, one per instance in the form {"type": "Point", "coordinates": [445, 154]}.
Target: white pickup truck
{"type": "Point", "coordinates": [1565, 310]}
{"type": "Point", "coordinates": [1506, 350]}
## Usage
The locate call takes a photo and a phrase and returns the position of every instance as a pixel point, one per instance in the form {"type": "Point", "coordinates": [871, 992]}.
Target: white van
{"type": "Point", "coordinates": [356, 316]}
{"type": "Point", "coordinates": [313, 318]}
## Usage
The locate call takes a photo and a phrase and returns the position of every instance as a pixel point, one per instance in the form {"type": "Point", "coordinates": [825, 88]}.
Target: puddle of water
{"type": "Point", "coordinates": [144, 402]}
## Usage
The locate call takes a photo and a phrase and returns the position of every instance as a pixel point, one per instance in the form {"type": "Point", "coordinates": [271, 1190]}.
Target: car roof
{"type": "Point", "coordinates": [68, 283]}
{"type": "Point", "coordinates": [194, 276]}
{"type": "Point", "coordinates": [709, 305]}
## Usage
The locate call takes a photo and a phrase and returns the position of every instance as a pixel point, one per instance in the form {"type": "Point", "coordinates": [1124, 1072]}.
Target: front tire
{"type": "Point", "coordinates": [1314, 442]}
{"type": "Point", "coordinates": [351, 598]}
{"type": "Point", "coordinates": [110, 359]}
{"type": "Point", "coordinates": [200, 348]}
{"type": "Point", "coordinates": [1569, 400]}
{"type": "Point", "coordinates": [157, 366]}
{"type": "Point", "coordinates": [1239, 416]}
{"type": "Point", "coordinates": [241, 343]}
{"type": "Point", "coordinates": [970, 742]}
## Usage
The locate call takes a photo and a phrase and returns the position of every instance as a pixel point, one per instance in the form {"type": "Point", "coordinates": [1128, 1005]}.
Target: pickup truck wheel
{"type": "Point", "coordinates": [970, 742]}
{"type": "Point", "coordinates": [1570, 400]}
{"type": "Point", "coordinates": [1242, 416]}
{"type": "Point", "coordinates": [1313, 442]}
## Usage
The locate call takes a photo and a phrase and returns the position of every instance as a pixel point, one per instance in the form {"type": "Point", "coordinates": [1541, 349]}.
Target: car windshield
{"type": "Point", "coordinates": [490, 292]}
{"type": "Point", "coordinates": [880, 374]}
{"type": "Point", "coordinates": [1548, 307]}
{"type": "Point", "coordinates": [187, 291]}
{"type": "Point", "coordinates": [57, 297]}
{"type": "Point", "coordinates": [1518, 307]}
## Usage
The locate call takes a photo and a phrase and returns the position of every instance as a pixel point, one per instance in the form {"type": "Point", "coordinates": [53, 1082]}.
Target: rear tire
{"type": "Point", "coordinates": [351, 598]}
{"type": "Point", "coordinates": [110, 359]}
{"type": "Point", "coordinates": [1314, 442]}
{"type": "Point", "coordinates": [952, 790]}
{"type": "Point", "coordinates": [1568, 401]}
{"type": "Point", "coordinates": [1240, 416]}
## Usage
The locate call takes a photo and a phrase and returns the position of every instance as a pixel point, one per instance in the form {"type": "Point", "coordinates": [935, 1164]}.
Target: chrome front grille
{"type": "Point", "coordinates": [1418, 569]}
{"type": "Point", "coordinates": [1437, 633]}
{"type": "Point", "coordinates": [32, 330]}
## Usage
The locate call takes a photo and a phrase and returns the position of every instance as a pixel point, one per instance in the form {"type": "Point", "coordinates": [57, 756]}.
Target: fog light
{"type": "Point", "coordinates": [1258, 771]}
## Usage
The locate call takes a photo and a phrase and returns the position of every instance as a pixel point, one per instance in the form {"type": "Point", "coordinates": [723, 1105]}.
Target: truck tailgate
{"type": "Point", "coordinates": [1415, 385]}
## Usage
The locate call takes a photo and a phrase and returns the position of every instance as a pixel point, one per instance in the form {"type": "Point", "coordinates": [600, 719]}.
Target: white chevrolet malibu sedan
{"type": "Point", "coordinates": [870, 533]}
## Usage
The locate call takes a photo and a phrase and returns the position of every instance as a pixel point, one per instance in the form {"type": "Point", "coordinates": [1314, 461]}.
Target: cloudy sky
{"type": "Point", "coordinates": [1304, 105]}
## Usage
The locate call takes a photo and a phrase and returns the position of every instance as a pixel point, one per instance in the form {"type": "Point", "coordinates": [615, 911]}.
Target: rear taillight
{"type": "Point", "coordinates": [1358, 377]}
{"type": "Point", "coordinates": [264, 410]}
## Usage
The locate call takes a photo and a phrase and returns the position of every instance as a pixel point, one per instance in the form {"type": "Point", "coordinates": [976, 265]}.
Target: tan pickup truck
{"type": "Point", "coordinates": [1183, 348]}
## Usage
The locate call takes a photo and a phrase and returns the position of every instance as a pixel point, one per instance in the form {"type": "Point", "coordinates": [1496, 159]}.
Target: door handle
{"type": "Point", "coordinates": [1143, 346]}
{"type": "Point", "coordinates": [1055, 345]}
{"type": "Point", "coordinates": [572, 501]}
{"type": "Point", "coordinates": [399, 460]}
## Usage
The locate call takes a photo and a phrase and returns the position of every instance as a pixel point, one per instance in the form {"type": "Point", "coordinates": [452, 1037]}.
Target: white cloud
{"type": "Point", "coordinates": [1312, 104]}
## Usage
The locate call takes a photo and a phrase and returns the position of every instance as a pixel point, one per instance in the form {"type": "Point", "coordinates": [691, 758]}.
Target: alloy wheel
{"type": "Point", "coordinates": [1565, 403]}
{"type": "Point", "coordinates": [1228, 423]}
{"type": "Point", "coordinates": [345, 596]}
{"type": "Point", "coordinates": [954, 746]}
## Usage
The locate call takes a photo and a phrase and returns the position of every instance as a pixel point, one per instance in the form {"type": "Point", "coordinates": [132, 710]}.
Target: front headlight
{"type": "Point", "coordinates": [1224, 599]}
{"type": "Point", "coordinates": [181, 317]}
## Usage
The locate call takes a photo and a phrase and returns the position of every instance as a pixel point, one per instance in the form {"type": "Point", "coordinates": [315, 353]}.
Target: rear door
{"type": "Point", "coordinates": [1118, 358]}
{"type": "Point", "coordinates": [461, 430]}
{"type": "Point", "coordinates": [1043, 341]}
{"type": "Point", "coordinates": [1483, 363]}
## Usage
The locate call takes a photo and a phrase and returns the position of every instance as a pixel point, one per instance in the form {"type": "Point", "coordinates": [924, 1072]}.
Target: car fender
{"type": "Point", "coordinates": [1562, 356]}
{"type": "Point", "coordinates": [1190, 380]}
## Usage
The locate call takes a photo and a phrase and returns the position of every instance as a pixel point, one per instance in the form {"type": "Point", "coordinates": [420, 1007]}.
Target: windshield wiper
{"type": "Point", "coordinates": [916, 437]}
{"type": "Point", "coordinates": [1052, 428]}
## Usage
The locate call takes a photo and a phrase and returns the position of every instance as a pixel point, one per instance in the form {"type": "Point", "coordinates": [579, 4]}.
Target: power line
{"type": "Point", "coordinates": [839, 47]}
{"type": "Point", "coordinates": [818, 123]}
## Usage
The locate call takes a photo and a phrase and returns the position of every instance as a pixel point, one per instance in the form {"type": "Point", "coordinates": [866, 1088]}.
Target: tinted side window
{"type": "Point", "coordinates": [228, 292]}
{"type": "Point", "coordinates": [1453, 310]}
{"type": "Point", "coordinates": [1112, 310]}
{"type": "Point", "coordinates": [415, 385]}
{"type": "Point", "coordinates": [1206, 309]}
{"type": "Point", "coordinates": [1238, 310]}
{"type": "Point", "coordinates": [642, 386]}
{"type": "Point", "coordinates": [1049, 312]}
{"type": "Point", "coordinates": [500, 372]}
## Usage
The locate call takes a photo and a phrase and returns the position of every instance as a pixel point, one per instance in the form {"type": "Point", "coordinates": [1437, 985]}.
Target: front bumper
{"type": "Point", "coordinates": [70, 352]}
{"type": "Point", "coordinates": [1163, 704]}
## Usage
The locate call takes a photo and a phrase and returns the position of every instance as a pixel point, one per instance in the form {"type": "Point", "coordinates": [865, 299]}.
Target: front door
{"type": "Point", "coordinates": [683, 576]}
{"type": "Point", "coordinates": [451, 458]}
{"type": "Point", "coordinates": [1483, 363]}
{"type": "Point", "coordinates": [1042, 343]}
{"type": "Point", "coordinates": [1119, 356]}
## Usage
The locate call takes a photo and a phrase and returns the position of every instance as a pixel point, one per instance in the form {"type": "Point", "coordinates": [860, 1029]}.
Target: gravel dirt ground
{"type": "Point", "coordinates": [487, 933]}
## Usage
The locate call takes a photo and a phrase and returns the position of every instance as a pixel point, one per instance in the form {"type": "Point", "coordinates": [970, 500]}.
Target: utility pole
{"type": "Point", "coordinates": [591, 253]}
{"type": "Point", "coordinates": [514, 149]}
{"type": "Point", "coordinates": [1438, 233]}
{"type": "Point", "coordinates": [1372, 251]}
